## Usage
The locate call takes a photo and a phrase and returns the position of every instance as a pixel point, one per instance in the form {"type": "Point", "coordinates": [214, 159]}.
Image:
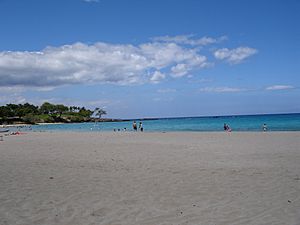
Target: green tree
{"type": "Point", "coordinates": [99, 112]}
{"type": "Point", "coordinates": [47, 112]}
{"type": "Point", "coordinates": [12, 109]}
{"type": "Point", "coordinates": [47, 108]}
{"type": "Point", "coordinates": [26, 109]}
{"type": "Point", "coordinates": [85, 112]}
{"type": "Point", "coordinates": [60, 109]}
{"type": "Point", "coordinates": [74, 109]}
{"type": "Point", "coordinates": [5, 112]}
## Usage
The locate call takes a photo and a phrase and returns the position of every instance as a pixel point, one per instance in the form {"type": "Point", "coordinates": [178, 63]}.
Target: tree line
{"type": "Point", "coordinates": [47, 113]}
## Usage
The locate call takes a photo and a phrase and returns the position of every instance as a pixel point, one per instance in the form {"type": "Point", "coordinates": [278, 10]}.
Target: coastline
{"type": "Point", "coordinates": [25, 124]}
{"type": "Point", "coordinates": [275, 122]}
{"type": "Point", "coordinates": [150, 178]}
{"type": "Point", "coordinates": [14, 125]}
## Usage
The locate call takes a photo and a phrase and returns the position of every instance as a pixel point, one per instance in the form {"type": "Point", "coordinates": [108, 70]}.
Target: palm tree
{"type": "Point", "coordinates": [99, 112]}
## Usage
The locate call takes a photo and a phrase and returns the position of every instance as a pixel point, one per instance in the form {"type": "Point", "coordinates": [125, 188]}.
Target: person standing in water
{"type": "Point", "coordinates": [227, 128]}
{"type": "Point", "coordinates": [264, 127]}
{"type": "Point", "coordinates": [141, 127]}
{"type": "Point", "coordinates": [134, 126]}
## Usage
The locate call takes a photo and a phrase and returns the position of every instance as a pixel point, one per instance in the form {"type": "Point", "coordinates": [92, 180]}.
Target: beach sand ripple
{"type": "Point", "coordinates": [150, 178]}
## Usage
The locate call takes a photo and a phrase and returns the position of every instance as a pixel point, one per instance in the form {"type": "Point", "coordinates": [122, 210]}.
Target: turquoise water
{"type": "Point", "coordinates": [278, 122]}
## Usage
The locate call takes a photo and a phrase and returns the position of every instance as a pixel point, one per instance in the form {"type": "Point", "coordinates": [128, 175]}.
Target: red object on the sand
{"type": "Point", "coordinates": [17, 133]}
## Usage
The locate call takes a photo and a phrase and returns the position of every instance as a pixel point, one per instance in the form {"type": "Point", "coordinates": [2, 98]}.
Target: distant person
{"type": "Point", "coordinates": [227, 128]}
{"type": "Point", "coordinates": [134, 126]}
{"type": "Point", "coordinates": [264, 127]}
{"type": "Point", "coordinates": [141, 127]}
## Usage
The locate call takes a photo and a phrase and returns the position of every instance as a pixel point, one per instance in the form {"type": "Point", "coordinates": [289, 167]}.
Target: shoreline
{"type": "Point", "coordinates": [160, 132]}
{"type": "Point", "coordinates": [276, 122]}
{"type": "Point", "coordinates": [145, 132]}
{"type": "Point", "coordinates": [15, 125]}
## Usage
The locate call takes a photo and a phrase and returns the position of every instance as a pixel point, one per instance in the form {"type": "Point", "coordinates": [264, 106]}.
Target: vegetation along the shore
{"type": "Point", "coordinates": [48, 113]}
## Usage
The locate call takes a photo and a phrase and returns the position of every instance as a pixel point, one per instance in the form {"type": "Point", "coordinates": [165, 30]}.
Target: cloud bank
{"type": "Point", "coordinates": [122, 64]}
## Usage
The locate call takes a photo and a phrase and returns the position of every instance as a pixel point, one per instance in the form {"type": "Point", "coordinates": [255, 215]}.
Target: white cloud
{"type": "Point", "coordinates": [98, 63]}
{"type": "Point", "coordinates": [189, 40]}
{"type": "Point", "coordinates": [234, 56]}
{"type": "Point", "coordinates": [179, 70]}
{"type": "Point", "coordinates": [121, 64]}
{"type": "Point", "coordinates": [221, 89]}
{"type": "Point", "coordinates": [182, 69]}
{"type": "Point", "coordinates": [279, 87]}
{"type": "Point", "coordinates": [157, 77]}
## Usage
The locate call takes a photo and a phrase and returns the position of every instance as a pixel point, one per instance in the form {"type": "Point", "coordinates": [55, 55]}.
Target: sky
{"type": "Point", "coordinates": [152, 58]}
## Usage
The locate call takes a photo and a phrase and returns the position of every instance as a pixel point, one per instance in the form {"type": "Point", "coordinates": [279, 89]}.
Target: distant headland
{"type": "Point", "coordinates": [50, 113]}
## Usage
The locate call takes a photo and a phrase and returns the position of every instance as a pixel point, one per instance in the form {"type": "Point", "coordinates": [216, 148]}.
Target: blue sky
{"type": "Point", "coordinates": [152, 58]}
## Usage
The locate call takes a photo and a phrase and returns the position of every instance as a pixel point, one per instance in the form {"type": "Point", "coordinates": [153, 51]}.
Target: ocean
{"type": "Point", "coordinates": [274, 122]}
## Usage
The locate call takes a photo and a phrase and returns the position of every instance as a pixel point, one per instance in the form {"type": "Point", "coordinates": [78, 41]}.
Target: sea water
{"type": "Point", "coordinates": [274, 122]}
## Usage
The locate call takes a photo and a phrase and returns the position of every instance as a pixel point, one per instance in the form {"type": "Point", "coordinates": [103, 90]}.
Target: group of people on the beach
{"type": "Point", "coordinates": [135, 127]}
{"type": "Point", "coordinates": [228, 129]}
{"type": "Point", "coordinates": [139, 127]}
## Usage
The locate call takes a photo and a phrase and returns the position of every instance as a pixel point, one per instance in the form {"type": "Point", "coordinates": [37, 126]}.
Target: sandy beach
{"type": "Point", "coordinates": [127, 178]}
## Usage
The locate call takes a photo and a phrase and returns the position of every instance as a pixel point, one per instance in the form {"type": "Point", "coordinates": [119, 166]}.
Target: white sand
{"type": "Point", "coordinates": [150, 178]}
